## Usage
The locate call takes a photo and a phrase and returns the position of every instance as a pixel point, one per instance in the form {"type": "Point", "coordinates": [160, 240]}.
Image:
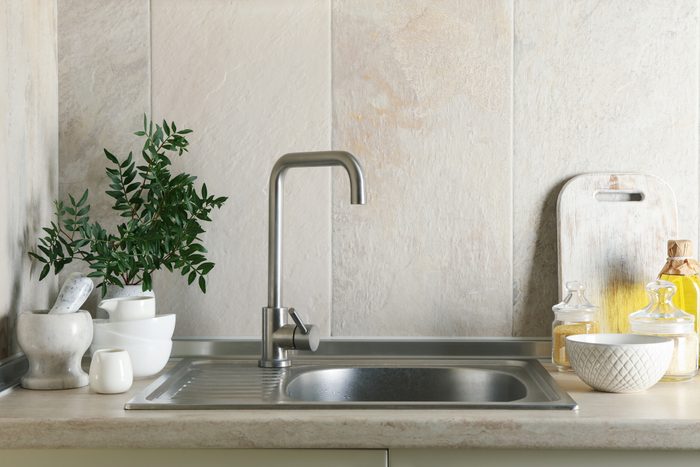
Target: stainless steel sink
{"type": "Point", "coordinates": [360, 381]}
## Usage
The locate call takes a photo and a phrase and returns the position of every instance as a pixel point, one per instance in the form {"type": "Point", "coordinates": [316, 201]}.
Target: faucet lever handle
{"type": "Point", "coordinates": [297, 320]}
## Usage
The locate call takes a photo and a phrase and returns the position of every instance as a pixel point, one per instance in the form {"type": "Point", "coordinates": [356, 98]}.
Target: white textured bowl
{"type": "Point", "coordinates": [160, 327]}
{"type": "Point", "coordinates": [619, 362]}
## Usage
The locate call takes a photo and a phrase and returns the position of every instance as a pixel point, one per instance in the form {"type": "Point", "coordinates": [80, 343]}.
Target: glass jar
{"type": "Point", "coordinates": [661, 318]}
{"type": "Point", "coordinates": [574, 315]}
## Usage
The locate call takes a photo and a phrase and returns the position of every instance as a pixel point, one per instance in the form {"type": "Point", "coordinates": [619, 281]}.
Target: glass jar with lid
{"type": "Point", "coordinates": [661, 318]}
{"type": "Point", "coordinates": [574, 315]}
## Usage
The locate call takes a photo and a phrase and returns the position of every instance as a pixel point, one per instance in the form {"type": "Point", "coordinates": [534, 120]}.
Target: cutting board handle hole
{"type": "Point", "coordinates": [618, 196]}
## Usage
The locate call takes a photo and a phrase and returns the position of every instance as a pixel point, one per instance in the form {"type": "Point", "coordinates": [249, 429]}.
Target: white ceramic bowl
{"type": "Point", "coordinates": [619, 362]}
{"type": "Point", "coordinates": [105, 337]}
{"type": "Point", "coordinates": [148, 341]}
{"type": "Point", "coordinates": [147, 358]}
{"type": "Point", "coordinates": [160, 327]}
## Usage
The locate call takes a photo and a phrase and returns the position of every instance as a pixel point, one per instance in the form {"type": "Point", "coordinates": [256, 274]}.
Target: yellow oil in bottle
{"type": "Point", "coordinates": [620, 300]}
{"type": "Point", "coordinates": [681, 269]}
{"type": "Point", "coordinates": [687, 297]}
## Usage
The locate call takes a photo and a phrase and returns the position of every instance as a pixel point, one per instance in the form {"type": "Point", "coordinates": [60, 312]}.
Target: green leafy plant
{"type": "Point", "coordinates": [162, 219]}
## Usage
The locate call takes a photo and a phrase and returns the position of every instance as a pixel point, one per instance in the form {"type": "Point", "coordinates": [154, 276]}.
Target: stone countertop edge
{"type": "Point", "coordinates": [664, 417]}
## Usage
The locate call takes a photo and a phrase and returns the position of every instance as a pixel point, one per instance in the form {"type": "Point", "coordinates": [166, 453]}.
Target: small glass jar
{"type": "Point", "coordinates": [661, 318]}
{"type": "Point", "coordinates": [574, 315]}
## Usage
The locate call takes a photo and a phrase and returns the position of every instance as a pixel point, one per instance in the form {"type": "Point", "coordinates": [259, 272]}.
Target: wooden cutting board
{"type": "Point", "coordinates": [612, 234]}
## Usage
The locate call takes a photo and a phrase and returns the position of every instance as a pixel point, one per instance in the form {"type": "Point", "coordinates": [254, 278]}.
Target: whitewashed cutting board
{"type": "Point", "coordinates": [612, 231]}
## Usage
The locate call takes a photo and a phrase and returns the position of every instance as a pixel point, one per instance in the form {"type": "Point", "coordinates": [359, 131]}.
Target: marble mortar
{"type": "Point", "coordinates": [54, 345]}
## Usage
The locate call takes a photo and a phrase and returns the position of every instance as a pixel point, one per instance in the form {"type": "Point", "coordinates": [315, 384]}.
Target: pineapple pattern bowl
{"type": "Point", "coordinates": [619, 362]}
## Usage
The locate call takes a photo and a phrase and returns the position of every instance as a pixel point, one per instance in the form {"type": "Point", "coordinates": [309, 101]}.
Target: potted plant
{"type": "Point", "coordinates": [162, 217]}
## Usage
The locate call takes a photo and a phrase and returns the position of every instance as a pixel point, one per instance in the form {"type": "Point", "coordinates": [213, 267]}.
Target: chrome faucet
{"type": "Point", "coordinates": [277, 336]}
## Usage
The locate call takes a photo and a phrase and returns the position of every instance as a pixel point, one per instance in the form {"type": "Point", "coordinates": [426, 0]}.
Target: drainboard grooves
{"type": "Point", "coordinates": [223, 382]}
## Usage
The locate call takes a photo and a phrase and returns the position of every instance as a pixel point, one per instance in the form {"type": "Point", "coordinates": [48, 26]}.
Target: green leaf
{"type": "Point", "coordinates": [37, 257]}
{"type": "Point", "coordinates": [204, 268]}
{"type": "Point", "coordinates": [132, 187]}
{"type": "Point", "coordinates": [184, 132]}
{"type": "Point", "coordinates": [44, 271]}
{"type": "Point", "coordinates": [191, 277]}
{"type": "Point", "coordinates": [127, 161]}
{"type": "Point", "coordinates": [83, 198]}
{"type": "Point", "coordinates": [203, 284]}
{"type": "Point", "coordinates": [130, 177]}
{"type": "Point", "coordinates": [112, 158]}
{"type": "Point", "coordinates": [158, 136]}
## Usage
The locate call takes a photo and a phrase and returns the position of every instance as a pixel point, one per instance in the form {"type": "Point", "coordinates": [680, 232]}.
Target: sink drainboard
{"type": "Point", "coordinates": [401, 383]}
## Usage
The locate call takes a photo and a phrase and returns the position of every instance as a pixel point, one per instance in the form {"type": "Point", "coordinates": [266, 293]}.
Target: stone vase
{"type": "Point", "coordinates": [114, 291]}
{"type": "Point", "coordinates": [54, 345]}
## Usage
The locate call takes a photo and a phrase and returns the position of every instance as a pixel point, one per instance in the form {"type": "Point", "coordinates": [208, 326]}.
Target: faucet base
{"type": "Point", "coordinates": [274, 363]}
{"type": "Point", "coordinates": [273, 354]}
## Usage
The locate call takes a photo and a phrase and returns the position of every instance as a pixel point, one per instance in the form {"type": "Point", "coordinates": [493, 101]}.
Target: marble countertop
{"type": "Point", "coordinates": [664, 417]}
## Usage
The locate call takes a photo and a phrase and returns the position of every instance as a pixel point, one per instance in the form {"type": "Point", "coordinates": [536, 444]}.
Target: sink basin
{"type": "Point", "coordinates": [197, 383]}
{"type": "Point", "coordinates": [406, 385]}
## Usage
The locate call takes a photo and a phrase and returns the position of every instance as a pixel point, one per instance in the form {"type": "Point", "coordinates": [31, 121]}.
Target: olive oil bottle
{"type": "Point", "coordinates": [682, 271]}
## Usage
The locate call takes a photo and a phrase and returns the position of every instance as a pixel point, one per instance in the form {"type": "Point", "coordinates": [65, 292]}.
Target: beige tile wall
{"type": "Point", "coordinates": [468, 116]}
{"type": "Point", "coordinates": [421, 93]}
{"type": "Point", "coordinates": [261, 90]}
{"type": "Point", "coordinates": [28, 153]}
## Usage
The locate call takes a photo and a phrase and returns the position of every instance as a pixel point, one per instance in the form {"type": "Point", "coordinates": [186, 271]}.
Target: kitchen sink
{"type": "Point", "coordinates": [357, 381]}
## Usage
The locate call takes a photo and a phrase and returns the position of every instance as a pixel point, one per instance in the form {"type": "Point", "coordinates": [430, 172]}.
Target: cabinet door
{"type": "Point", "coordinates": [193, 457]}
{"type": "Point", "coordinates": [539, 458]}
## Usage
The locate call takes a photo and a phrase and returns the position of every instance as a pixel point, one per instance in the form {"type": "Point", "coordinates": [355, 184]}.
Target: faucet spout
{"type": "Point", "coordinates": [301, 159]}
{"type": "Point", "coordinates": [277, 335]}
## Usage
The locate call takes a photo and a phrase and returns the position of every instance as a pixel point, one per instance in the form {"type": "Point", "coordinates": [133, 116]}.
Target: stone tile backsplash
{"type": "Point", "coordinates": [468, 116]}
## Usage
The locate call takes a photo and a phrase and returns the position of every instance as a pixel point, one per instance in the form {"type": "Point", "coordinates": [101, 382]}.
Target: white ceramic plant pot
{"type": "Point", "coordinates": [54, 345]}
{"type": "Point", "coordinates": [114, 291]}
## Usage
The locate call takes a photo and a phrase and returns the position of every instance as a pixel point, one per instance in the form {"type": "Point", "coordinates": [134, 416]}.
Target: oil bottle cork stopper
{"type": "Point", "coordinates": [680, 248]}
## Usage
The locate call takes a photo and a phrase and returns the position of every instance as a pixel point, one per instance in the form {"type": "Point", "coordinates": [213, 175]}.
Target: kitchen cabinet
{"type": "Point", "coordinates": [194, 457]}
{"type": "Point", "coordinates": [539, 458]}
{"type": "Point", "coordinates": [344, 458]}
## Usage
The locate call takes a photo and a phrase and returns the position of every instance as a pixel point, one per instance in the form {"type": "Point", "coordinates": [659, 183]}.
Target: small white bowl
{"type": "Point", "coordinates": [160, 327]}
{"type": "Point", "coordinates": [619, 362]}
